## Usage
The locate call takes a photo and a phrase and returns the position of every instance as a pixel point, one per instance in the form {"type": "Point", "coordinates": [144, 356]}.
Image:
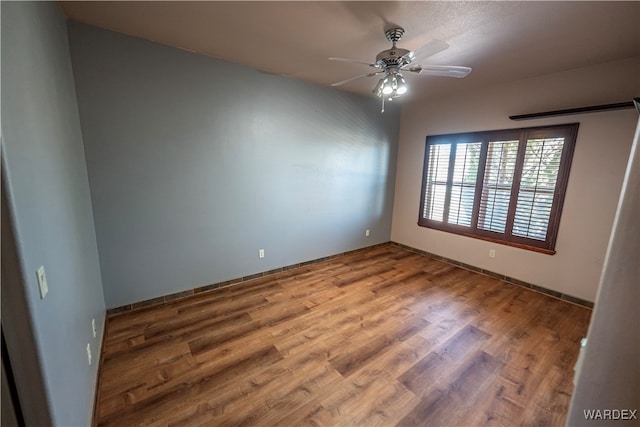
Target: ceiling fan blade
{"type": "Point", "coordinates": [429, 49]}
{"type": "Point", "coordinates": [340, 83]}
{"type": "Point", "coordinates": [357, 61]}
{"type": "Point", "coordinates": [441, 70]}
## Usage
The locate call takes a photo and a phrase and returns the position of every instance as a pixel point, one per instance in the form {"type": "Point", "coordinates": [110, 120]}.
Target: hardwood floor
{"type": "Point", "coordinates": [377, 337]}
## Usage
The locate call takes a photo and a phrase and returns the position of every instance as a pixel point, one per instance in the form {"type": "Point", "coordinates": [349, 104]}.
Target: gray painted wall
{"type": "Point", "coordinates": [195, 164]}
{"type": "Point", "coordinates": [17, 328]}
{"type": "Point", "coordinates": [47, 184]}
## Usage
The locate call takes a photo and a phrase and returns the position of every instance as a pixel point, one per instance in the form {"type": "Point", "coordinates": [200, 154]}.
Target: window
{"type": "Point", "coordinates": [505, 186]}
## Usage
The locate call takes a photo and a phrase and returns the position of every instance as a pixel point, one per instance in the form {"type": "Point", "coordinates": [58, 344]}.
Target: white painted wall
{"type": "Point", "coordinates": [602, 149]}
{"type": "Point", "coordinates": [610, 374]}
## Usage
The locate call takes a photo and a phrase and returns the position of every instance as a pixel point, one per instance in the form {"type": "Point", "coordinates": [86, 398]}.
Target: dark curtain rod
{"type": "Point", "coordinates": [618, 106]}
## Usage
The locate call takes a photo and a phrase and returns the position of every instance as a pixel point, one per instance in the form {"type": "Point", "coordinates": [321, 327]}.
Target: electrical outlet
{"type": "Point", "coordinates": [42, 282]}
{"type": "Point", "coordinates": [492, 253]}
{"type": "Point", "coordinates": [89, 353]}
{"type": "Point", "coordinates": [261, 253]}
{"type": "Point", "coordinates": [366, 232]}
{"type": "Point", "coordinates": [93, 327]}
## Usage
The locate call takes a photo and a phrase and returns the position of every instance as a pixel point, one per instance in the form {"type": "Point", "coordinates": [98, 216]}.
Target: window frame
{"type": "Point", "coordinates": [569, 131]}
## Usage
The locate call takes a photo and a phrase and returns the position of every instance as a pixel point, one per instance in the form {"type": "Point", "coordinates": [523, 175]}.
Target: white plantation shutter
{"type": "Point", "coordinates": [436, 181]}
{"type": "Point", "coordinates": [463, 185]}
{"type": "Point", "coordinates": [537, 187]}
{"type": "Point", "coordinates": [496, 187]}
{"type": "Point", "coordinates": [505, 186]}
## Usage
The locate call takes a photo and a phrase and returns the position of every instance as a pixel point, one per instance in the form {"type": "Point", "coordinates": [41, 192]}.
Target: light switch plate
{"type": "Point", "coordinates": [42, 282]}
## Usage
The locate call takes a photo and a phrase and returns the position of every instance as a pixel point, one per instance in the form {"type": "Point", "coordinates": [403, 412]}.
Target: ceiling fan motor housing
{"type": "Point", "coordinates": [394, 57]}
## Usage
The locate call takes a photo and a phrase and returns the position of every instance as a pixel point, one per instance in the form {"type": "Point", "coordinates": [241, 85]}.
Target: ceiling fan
{"type": "Point", "coordinates": [391, 62]}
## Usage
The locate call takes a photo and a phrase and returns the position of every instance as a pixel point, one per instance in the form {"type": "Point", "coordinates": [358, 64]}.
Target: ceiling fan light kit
{"type": "Point", "coordinates": [391, 62]}
{"type": "Point", "coordinates": [391, 86]}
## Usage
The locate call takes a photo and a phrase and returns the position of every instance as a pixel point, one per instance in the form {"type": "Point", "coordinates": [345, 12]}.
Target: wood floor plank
{"type": "Point", "coordinates": [369, 398]}
{"type": "Point", "coordinates": [464, 342]}
{"type": "Point", "coordinates": [347, 363]}
{"type": "Point", "coordinates": [464, 392]}
{"type": "Point", "coordinates": [142, 409]}
{"type": "Point", "coordinates": [401, 356]}
{"type": "Point", "coordinates": [285, 396]}
{"type": "Point", "coordinates": [381, 336]}
{"type": "Point", "coordinates": [501, 411]}
{"type": "Point", "coordinates": [422, 377]}
{"type": "Point", "coordinates": [549, 405]}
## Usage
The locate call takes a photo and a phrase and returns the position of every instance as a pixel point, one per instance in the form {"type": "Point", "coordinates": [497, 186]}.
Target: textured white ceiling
{"type": "Point", "coordinates": [502, 41]}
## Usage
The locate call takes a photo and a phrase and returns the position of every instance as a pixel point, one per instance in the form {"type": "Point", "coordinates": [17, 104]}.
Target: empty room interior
{"type": "Point", "coordinates": [320, 213]}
